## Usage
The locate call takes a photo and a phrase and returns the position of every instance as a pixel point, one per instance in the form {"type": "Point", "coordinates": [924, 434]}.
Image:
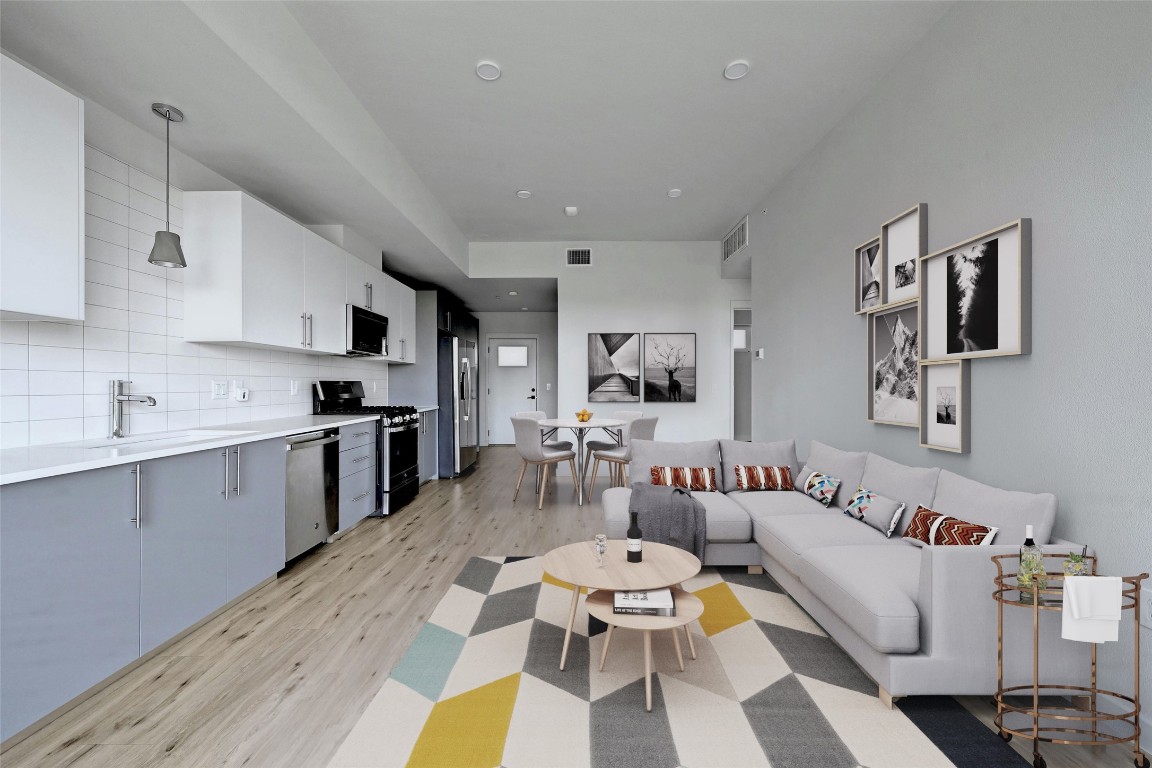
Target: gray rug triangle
{"type": "Point", "coordinates": [792, 730]}
{"type": "Point", "coordinates": [543, 652]}
{"type": "Point", "coordinates": [478, 575]}
{"type": "Point", "coordinates": [506, 608]}
{"type": "Point", "coordinates": [818, 657]}
{"type": "Point", "coordinates": [624, 735]}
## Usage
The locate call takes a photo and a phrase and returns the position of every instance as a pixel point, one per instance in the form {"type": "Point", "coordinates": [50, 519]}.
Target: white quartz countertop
{"type": "Point", "coordinates": [423, 408]}
{"type": "Point", "coordinates": [38, 461]}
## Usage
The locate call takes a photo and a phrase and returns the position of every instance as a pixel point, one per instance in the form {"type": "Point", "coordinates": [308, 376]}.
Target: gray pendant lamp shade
{"type": "Point", "coordinates": [166, 251]}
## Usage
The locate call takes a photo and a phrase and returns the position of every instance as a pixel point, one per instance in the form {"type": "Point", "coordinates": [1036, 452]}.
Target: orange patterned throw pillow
{"type": "Point", "coordinates": [692, 478]}
{"type": "Point", "coordinates": [749, 478]}
{"type": "Point", "coordinates": [930, 527]}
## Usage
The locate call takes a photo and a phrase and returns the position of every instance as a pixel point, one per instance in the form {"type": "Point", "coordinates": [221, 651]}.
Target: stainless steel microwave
{"type": "Point", "coordinates": [367, 332]}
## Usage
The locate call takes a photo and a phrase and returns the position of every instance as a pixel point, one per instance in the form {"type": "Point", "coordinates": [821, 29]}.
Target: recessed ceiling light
{"type": "Point", "coordinates": [524, 194]}
{"type": "Point", "coordinates": [488, 70]}
{"type": "Point", "coordinates": [523, 309]}
{"type": "Point", "coordinates": [674, 193]}
{"type": "Point", "coordinates": [736, 69]}
{"type": "Point", "coordinates": [513, 293]}
{"type": "Point", "coordinates": [570, 210]}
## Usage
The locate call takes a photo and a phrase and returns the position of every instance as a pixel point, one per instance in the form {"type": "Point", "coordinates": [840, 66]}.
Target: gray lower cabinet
{"type": "Point", "coordinates": [69, 589]}
{"type": "Point", "coordinates": [254, 515]}
{"type": "Point", "coordinates": [427, 449]}
{"type": "Point", "coordinates": [357, 497]}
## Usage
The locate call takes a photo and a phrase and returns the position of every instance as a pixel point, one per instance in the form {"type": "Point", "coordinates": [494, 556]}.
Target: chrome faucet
{"type": "Point", "coordinates": [116, 400]}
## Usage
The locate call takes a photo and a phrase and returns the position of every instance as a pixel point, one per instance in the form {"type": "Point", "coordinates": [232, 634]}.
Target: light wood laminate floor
{"type": "Point", "coordinates": [279, 679]}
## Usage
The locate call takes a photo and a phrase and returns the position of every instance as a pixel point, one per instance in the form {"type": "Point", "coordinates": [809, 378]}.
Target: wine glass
{"type": "Point", "coordinates": [600, 546]}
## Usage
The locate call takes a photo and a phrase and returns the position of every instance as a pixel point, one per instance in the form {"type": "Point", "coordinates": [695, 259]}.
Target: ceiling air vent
{"type": "Point", "coordinates": [736, 240]}
{"type": "Point", "coordinates": [579, 257]}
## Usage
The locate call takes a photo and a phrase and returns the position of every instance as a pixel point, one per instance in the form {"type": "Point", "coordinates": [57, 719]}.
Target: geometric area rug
{"type": "Point", "coordinates": [481, 687]}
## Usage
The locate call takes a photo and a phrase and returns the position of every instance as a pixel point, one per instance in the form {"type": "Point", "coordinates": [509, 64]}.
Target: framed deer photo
{"type": "Point", "coordinates": [670, 367]}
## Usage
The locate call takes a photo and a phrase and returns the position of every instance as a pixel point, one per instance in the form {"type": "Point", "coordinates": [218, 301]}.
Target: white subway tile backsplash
{"type": "Point", "coordinates": [175, 309]}
{"type": "Point", "coordinates": [178, 347]}
{"type": "Point", "coordinates": [239, 415]}
{"type": "Point", "coordinates": [99, 382]}
{"type": "Point", "coordinates": [105, 296]}
{"type": "Point", "coordinates": [208, 404]}
{"type": "Point", "coordinates": [96, 427]}
{"type": "Point", "coordinates": [259, 369]}
{"type": "Point", "coordinates": [105, 164]}
{"type": "Point", "coordinates": [215, 350]}
{"type": "Point", "coordinates": [55, 359]}
{"type": "Point", "coordinates": [182, 382]}
{"type": "Point", "coordinates": [277, 356]}
{"type": "Point", "coordinates": [144, 363]}
{"type": "Point", "coordinates": [213, 418]}
{"type": "Point", "coordinates": [144, 203]}
{"type": "Point", "coordinates": [138, 260]}
{"type": "Point", "coordinates": [41, 407]}
{"type": "Point", "coordinates": [13, 434]}
{"type": "Point", "coordinates": [149, 225]}
{"type": "Point", "coordinates": [280, 369]}
{"type": "Point", "coordinates": [238, 368]}
{"type": "Point", "coordinates": [54, 383]}
{"type": "Point", "coordinates": [183, 401]}
{"type": "Point", "coordinates": [175, 290]}
{"type": "Point", "coordinates": [238, 353]}
{"type": "Point", "coordinates": [105, 361]}
{"type": "Point", "coordinates": [102, 229]}
{"type": "Point", "coordinates": [14, 332]}
{"type": "Point", "coordinates": [109, 210]}
{"type": "Point", "coordinates": [105, 186]}
{"type": "Point", "coordinates": [97, 405]}
{"type": "Point", "coordinates": [105, 317]}
{"type": "Point", "coordinates": [146, 183]}
{"type": "Point", "coordinates": [183, 364]}
{"type": "Point", "coordinates": [105, 274]}
{"type": "Point", "coordinates": [142, 423]}
{"type": "Point", "coordinates": [154, 384]}
{"type": "Point", "coordinates": [148, 342]}
{"type": "Point", "coordinates": [14, 408]}
{"type": "Point", "coordinates": [183, 420]}
{"type": "Point", "coordinates": [106, 339]}
{"type": "Point", "coordinates": [146, 303]}
{"type": "Point", "coordinates": [142, 322]}
{"type": "Point", "coordinates": [102, 250]}
{"type": "Point", "coordinates": [13, 382]}
{"type": "Point", "coordinates": [55, 431]}
{"type": "Point", "coordinates": [55, 335]}
{"type": "Point", "coordinates": [147, 283]}
{"type": "Point", "coordinates": [213, 366]}
{"type": "Point", "coordinates": [141, 243]}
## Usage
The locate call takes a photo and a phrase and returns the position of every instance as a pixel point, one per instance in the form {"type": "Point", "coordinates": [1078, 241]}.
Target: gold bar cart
{"type": "Point", "coordinates": [1063, 723]}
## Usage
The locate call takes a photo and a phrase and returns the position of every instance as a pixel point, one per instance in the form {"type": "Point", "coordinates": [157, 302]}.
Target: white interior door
{"type": "Point", "coordinates": [511, 385]}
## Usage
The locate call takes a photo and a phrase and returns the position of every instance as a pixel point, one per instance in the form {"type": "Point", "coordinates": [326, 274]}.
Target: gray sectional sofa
{"type": "Point", "coordinates": [917, 619]}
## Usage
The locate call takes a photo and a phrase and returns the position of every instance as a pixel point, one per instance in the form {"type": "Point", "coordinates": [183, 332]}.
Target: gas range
{"type": "Point", "coordinates": [397, 443]}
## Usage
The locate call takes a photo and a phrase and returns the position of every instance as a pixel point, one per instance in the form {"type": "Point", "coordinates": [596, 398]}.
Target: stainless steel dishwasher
{"type": "Point", "coordinates": [311, 508]}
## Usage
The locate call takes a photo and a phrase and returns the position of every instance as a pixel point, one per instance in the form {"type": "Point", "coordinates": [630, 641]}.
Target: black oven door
{"type": "Point", "coordinates": [403, 450]}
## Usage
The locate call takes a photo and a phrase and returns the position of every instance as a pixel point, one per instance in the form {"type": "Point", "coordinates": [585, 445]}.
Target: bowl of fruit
{"type": "Point", "coordinates": [583, 414]}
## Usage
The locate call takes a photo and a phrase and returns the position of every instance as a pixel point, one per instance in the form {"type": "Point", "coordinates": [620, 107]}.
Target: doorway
{"type": "Point", "coordinates": [512, 382]}
{"type": "Point", "coordinates": [741, 373]}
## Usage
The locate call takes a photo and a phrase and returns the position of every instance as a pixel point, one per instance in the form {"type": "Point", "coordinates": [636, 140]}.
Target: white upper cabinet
{"type": "Point", "coordinates": [400, 301]}
{"type": "Point", "coordinates": [41, 198]}
{"type": "Point", "coordinates": [365, 285]}
{"type": "Point", "coordinates": [245, 277]}
{"type": "Point", "coordinates": [324, 291]}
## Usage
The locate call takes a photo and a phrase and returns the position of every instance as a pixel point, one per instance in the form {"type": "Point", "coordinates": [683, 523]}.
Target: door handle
{"type": "Point", "coordinates": [137, 518]}
{"type": "Point", "coordinates": [224, 453]}
{"type": "Point", "coordinates": [531, 397]}
{"type": "Point", "coordinates": [236, 488]}
{"type": "Point", "coordinates": [309, 328]}
{"type": "Point", "coordinates": [303, 330]}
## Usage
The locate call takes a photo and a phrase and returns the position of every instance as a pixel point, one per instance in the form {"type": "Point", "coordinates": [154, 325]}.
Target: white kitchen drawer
{"type": "Point", "coordinates": [356, 435]}
{"type": "Point", "coordinates": [357, 497]}
{"type": "Point", "coordinates": [357, 459]}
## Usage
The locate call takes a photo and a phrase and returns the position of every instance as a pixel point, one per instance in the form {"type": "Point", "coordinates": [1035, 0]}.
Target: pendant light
{"type": "Point", "coordinates": [166, 251]}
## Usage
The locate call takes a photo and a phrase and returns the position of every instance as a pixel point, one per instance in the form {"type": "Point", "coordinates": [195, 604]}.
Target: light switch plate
{"type": "Point", "coordinates": [219, 390]}
{"type": "Point", "coordinates": [295, 387]}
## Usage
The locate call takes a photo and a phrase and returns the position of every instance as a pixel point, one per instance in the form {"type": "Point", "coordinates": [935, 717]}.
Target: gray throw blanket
{"type": "Point", "coordinates": [669, 516]}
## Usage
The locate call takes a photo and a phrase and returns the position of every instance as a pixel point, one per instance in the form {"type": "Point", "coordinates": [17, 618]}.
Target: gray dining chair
{"type": "Point", "coordinates": [606, 445]}
{"type": "Point", "coordinates": [556, 445]}
{"type": "Point", "coordinates": [620, 456]}
{"type": "Point", "coordinates": [531, 451]}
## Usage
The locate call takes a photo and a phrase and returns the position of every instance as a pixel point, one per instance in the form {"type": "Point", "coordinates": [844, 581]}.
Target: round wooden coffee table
{"type": "Point", "coordinates": [663, 566]}
{"type": "Point", "coordinates": [689, 608]}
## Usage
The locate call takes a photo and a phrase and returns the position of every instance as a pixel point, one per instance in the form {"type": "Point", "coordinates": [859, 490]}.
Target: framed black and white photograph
{"type": "Point", "coordinates": [944, 406]}
{"type": "Point", "coordinates": [869, 273]}
{"type": "Point", "coordinates": [670, 367]}
{"type": "Point", "coordinates": [894, 367]}
{"type": "Point", "coordinates": [976, 296]}
{"type": "Point", "coordinates": [903, 240]}
{"type": "Point", "coordinates": [613, 367]}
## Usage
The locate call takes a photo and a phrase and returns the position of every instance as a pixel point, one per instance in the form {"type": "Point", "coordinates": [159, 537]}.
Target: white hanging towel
{"type": "Point", "coordinates": [1091, 612]}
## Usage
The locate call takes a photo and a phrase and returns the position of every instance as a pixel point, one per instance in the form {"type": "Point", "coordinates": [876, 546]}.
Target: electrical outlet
{"type": "Point", "coordinates": [219, 390]}
{"type": "Point", "coordinates": [295, 387]}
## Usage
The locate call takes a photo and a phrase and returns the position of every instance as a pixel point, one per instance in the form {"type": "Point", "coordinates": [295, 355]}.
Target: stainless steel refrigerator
{"type": "Point", "coordinates": [457, 389]}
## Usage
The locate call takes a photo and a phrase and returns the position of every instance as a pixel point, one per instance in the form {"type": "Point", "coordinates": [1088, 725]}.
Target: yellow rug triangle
{"type": "Point", "coordinates": [469, 730]}
{"type": "Point", "coordinates": [722, 609]}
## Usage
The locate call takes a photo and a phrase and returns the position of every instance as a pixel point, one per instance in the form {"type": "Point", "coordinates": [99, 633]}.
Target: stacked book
{"type": "Point", "coordinates": [654, 602]}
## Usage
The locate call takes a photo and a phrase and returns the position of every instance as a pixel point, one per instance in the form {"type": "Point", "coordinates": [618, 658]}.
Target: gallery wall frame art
{"type": "Point", "coordinates": [903, 241]}
{"type": "Point", "coordinates": [945, 406]}
{"type": "Point", "coordinates": [894, 366]}
{"type": "Point", "coordinates": [976, 297]}
{"type": "Point", "coordinates": [670, 367]}
{"type": "Point", "coordinates": [613, 367]}
{"type": "Point", "coordinates": [869, 274]}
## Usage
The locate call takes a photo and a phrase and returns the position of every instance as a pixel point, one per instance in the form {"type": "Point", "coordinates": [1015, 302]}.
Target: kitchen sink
{"type": "Point", "coordinates": [158, 439]}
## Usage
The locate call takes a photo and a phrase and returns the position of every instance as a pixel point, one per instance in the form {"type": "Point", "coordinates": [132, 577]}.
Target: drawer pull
{"type": "Point", "coordinates": [361, 434]}
{"type": "Point", "coordinates": [362, 458]}
{"type": "Point", "coordinates": [359, 497]}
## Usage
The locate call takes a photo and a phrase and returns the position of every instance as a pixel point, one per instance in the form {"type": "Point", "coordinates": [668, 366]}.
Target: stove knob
{"type": "Point", "coordinates": [387, 421]}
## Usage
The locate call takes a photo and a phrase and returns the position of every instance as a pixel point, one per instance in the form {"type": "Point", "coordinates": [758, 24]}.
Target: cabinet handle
{"type": "Point", "coordinates": [308, 326]}
{"type": "Point", "coordinates": [224, 453]}
{"type": "Point", "coordinates": [137, 518]}
{"type": "Point", "coordinates": [359, 497]}
{"type": "Point", "coordinates": [304, 330]}
{"type": "Point", "coordinates": [368, 295]}
{"type": "Point", "coordinates": [403, 349]}
{"type": "Point", "coordinates": [362, 458]}
{"type": "Point", "coordinates": [360, 434]}
{"type": "Point", "coordinates": [236, 488]}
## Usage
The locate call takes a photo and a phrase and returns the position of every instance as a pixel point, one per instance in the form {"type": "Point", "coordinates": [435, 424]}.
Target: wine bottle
{"type": "Point", "coordinates": [635, 540]}
{"type": "Point", "coordinates": [1031, 569]}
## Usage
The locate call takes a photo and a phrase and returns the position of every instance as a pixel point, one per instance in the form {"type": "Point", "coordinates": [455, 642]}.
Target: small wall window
{"type": "Point", "coordinates": [512, 357]}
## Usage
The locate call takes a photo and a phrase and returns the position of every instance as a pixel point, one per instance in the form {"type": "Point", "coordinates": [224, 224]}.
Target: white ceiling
{"type": "Point", "coordinates": [369, 114]}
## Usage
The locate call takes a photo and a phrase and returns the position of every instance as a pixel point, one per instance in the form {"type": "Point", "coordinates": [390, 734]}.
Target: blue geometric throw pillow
{"type": "Point", "coordinates": [880, 512]}
{"type": "Point", "coordinates": [821, 487]}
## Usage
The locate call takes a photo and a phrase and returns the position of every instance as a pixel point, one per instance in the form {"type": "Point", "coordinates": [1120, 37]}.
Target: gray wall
{"type": "Point", "coordinates": [540, 324]}
{"type": "Point", "coordinates": [1004, 110]}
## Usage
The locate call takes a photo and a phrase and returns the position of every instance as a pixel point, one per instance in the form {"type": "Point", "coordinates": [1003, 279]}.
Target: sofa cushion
{"type": "Point", "coordinates": [819, 485]}
{"type": "Point", "coordinates": [778, 454]}
{"type": "Point", "coordinates": [915, 486]}
{"type": "Point", "coordinates": [880, 512]}
{"type": "Point", "coordinates": [727, 522]}
{"type": "Point", "coordinates": [1010, 511]}
{"type": "Point", "coordinates": [872, 588]}
{"type": "Point", "coordinates": [758, 504]}
{"type": "Point", "coordinates": [787, 538]}
{"type": "Point", "coordinates": [652, 453]}
{"type": "Point", "coordinates": [692, 478]}
{"type": "Point", "coordinates": [845, 465]}
{"type": "Point", "coordinates": [750, 477]}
